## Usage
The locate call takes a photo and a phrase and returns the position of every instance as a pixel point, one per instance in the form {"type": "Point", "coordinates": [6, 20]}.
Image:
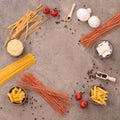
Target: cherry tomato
{"type": "Point", "coordinates": [78, 96]}
{"type": "Point", "coordinates": [46, 10]}
{"type": "Point", "coordinates": [84, 104]}
{"type": "Point", "coordinates": [54, 13]}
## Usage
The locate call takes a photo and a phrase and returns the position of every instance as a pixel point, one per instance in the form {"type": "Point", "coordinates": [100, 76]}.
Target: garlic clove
{"type": "Point", "coordinates": [94, 21]}
{"type": "Point", "coordinates": [83, 14]}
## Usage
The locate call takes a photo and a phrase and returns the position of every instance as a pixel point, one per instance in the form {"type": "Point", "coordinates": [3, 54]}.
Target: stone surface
{"type": "Point", "coordinates": [62, 64]}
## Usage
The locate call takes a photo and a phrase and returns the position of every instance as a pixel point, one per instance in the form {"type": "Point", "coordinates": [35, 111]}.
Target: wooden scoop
{"type": "Point", "coordinates": [69, 17]}
{"type": "Point", "coordinates": [105, 76]}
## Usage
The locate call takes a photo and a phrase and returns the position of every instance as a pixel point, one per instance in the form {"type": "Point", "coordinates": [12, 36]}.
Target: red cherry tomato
{"type": "Point", "coordinates": [84, 104]}
{"type": "Point", "coordinates": [46, 10]}
{"type": "Point", "coordinates": [54, 13]}
{"type": "Point", "coordinates": [78, 96]}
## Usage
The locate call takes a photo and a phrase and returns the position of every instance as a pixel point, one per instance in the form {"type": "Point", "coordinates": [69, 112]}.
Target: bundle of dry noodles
{"type": "Point", "coordinates": [90, 38]}
{"type": "Point", "coordinates": [27, 24]}
{"type": "Point", "coordinates": [57, 100]}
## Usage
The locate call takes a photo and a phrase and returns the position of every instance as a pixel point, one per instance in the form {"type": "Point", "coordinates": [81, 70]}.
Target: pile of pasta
{"type": "Point", "coordinates": [99, 95]}
{"type": "Point", "coordinates": [57, 100]}
{"type": "Point", "coordinates": [17, 95]}
{"type": "Point", "coordinates": [26, 25]}
{"type": "Point", "coordinates": [90, 38]}
{"type": "Point", "coordinates": [16, 67]}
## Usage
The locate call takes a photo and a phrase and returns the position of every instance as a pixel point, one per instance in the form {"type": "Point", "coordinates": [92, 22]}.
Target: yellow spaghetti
{"type": "Point", "coordinates": [16, 67]}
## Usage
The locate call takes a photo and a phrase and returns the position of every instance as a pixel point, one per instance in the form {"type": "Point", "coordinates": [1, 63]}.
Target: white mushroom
{"type": "Point", "coordinates": [83, 14]}
{"type": "Point", "coordinates": [94, 21]}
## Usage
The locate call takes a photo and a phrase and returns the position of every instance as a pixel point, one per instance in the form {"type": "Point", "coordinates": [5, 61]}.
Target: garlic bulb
{"type": "Point", "coordinates": [83, 14]}
{"type": "Point", "coordinates": [94, 22]}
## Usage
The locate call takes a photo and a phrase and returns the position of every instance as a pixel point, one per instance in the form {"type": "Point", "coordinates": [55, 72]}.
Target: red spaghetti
{"type": "Point", "coordinates": [90, 38]}
{"type": "Point", "coordinates": [57, 100]}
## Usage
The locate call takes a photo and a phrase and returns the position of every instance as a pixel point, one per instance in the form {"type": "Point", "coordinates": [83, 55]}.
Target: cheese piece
{"type": "Point", "coordinates": [106, 53]}
{"type": "Point", "coordinates": [104, 49]}
{"type": "Point", "coordinates": [15, 47]}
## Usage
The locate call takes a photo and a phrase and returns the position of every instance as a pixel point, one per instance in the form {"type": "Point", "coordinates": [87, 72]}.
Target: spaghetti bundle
{"type": "Point", "coordinates": [25, 25]}
{"type": "Point", "coordinates": [57, 100]}
{"type": "Point", "coordinates": [90, 38]}
{"type": "Point", "coordinates": [16, 67]}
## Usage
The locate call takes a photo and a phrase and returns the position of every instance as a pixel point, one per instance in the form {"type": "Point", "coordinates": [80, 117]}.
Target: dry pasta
{"type": "Point", "coordinates": [57, 100]}
{"type": "Point", "coordinates": [16, 67]}
{"type": "Point", "coordinates": [90, 38]}
{"type": "Point", "coordinates": [23, 25]}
